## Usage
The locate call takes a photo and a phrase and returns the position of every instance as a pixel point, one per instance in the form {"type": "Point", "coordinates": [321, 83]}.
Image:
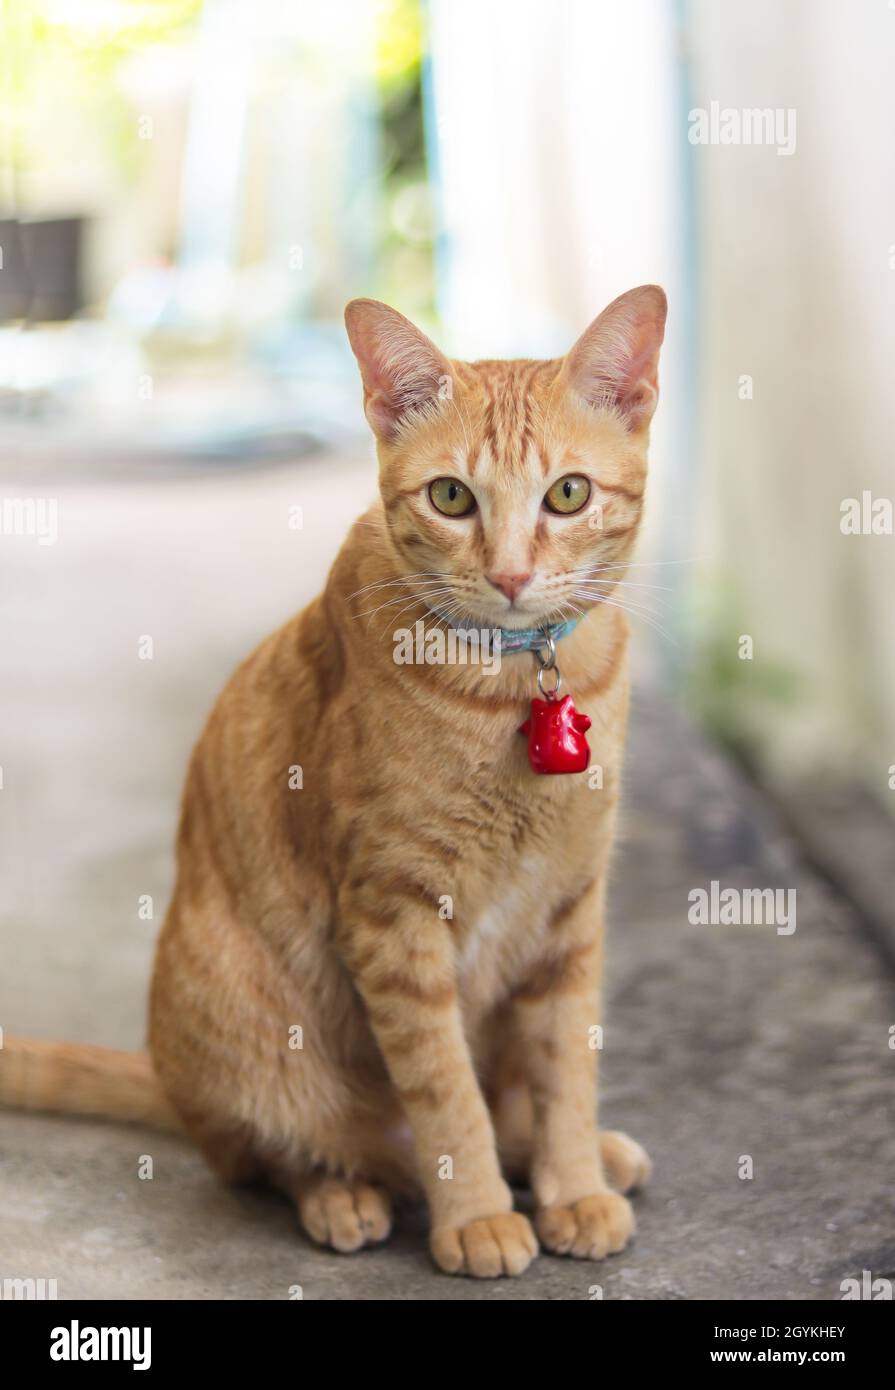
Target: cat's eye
{"type": "Point", "coordinates": [451, 497]}
{"type": "Point", "coordinates": [568, 494]}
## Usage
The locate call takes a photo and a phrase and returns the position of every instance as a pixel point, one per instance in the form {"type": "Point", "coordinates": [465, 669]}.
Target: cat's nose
{"type": "Point", "coordinates": [509, 584]}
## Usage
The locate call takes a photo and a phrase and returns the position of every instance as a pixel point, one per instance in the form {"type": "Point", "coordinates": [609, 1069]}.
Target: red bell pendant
{"type": "Point", "coordinates": [555, 732]}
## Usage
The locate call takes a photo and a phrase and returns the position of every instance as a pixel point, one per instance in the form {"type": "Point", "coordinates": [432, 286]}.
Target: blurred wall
{"type": "Point", "coordinates": [795, 290]}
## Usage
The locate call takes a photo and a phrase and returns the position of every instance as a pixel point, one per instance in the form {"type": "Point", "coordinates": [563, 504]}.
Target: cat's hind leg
{"type": "Point", "coordinates": [344, 1213]}
{"type": "Point", "coordinates": [626, 1163]}
{"type": "Point", "coordinates": [344, 1193]}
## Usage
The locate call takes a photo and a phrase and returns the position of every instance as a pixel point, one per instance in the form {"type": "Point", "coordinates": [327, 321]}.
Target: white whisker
{"type": "Point", "coordinates": [414, 598]}
{"type": "Point", "coordinates": [643, 564]}
{"type": "Point", "coordinates": [597, 588]}
{"type": "Point", "coordinates": [635, 613]}
{"type": "Point", "coordinates": [400, 579]}
{"type": "Point", "coordinates": [630, 583]}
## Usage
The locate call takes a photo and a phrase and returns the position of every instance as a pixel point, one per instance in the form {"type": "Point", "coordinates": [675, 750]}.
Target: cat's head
{"type": "Point", "coordinates": [511, 489]}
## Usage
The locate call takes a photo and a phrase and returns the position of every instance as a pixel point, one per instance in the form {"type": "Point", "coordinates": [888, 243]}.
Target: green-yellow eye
{"type": "Point", "coordinates": [451, 497]}
{"type": "Point", "coordinates": [568, 494]}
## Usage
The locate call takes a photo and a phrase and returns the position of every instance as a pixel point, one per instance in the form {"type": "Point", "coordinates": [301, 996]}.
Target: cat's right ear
{"type": "Point", "coordinates": [402, 370]}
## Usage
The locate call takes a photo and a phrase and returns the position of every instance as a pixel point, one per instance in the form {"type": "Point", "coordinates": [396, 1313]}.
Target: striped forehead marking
{"type": "Point", "coordinates": [510, 412]}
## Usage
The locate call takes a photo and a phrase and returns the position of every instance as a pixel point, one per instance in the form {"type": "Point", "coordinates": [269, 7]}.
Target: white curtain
{"type": "Point", "coordinates": [797, 290]}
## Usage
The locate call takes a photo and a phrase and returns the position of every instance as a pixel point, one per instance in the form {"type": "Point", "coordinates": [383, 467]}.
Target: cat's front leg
{"type": "Point", "coordinates": [402, 964]}
{"type": "Point", "coordinates": [557, 1012]}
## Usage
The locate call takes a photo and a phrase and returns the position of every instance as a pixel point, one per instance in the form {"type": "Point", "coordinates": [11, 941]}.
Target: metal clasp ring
{"type": "Point", "coordinates": [548, 663]}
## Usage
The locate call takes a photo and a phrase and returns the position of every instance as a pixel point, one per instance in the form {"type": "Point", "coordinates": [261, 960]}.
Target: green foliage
{"type": "Point", "coordinates": [731, 695]}
{"type": "Point", "coordinates": [67, 56]}
{"type": "Point", "coordinates": [406, 234]}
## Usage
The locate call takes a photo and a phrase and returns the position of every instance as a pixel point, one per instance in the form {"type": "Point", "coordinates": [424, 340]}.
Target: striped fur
{"type": "Point", "coordinates": [441, 1051]}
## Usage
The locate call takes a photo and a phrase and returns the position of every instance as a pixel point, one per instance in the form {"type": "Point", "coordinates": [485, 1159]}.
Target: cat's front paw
{"type": "Point", "coordinates": [588, 1229]}
{"type": "Point", "coordinates": [486, 1248]}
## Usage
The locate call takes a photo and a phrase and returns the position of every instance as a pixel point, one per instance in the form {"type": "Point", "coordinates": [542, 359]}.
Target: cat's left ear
{"type": "Point", "coordinates": [402, 370]}
{"type": "Point", "coordinates": [616, 361]}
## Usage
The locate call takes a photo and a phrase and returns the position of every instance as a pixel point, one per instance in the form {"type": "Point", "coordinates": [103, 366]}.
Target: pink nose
{"type": "Point", "coordinates": [509, 584]}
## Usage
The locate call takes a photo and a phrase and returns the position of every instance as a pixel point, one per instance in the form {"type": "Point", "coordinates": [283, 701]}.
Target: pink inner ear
{"type": "Point", "coordinates": [402, 369]}
{"type": "Point", "coordinates": [616, 359]}
{"type": "Point", "coordinates": [640, 389]}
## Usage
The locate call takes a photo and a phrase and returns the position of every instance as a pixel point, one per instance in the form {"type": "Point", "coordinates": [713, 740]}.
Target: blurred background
{"type": "Point", "coordinates": [189, 193]}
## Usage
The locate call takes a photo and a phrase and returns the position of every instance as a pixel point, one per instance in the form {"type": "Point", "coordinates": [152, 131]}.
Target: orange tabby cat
{"type": "Point", "coordinates": [380, 970]}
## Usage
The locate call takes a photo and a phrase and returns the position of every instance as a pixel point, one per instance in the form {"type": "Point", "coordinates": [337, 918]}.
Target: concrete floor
{"type": "Point", "coordinates": [720, 1041]}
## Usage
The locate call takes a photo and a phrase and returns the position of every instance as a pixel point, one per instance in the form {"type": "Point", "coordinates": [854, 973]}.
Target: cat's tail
{"type": "Point", "coordinates": [79, 1079]}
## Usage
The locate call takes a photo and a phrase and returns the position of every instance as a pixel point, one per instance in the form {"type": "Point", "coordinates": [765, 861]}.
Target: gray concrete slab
{"type": "Point", "coordinates": [721, 1041]}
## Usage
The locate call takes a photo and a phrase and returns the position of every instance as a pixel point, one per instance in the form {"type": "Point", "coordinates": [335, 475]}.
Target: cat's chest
{"type": "Point", "coordinates": [544, 841]}
{"type": "Point", "coordinates": [506, 925]}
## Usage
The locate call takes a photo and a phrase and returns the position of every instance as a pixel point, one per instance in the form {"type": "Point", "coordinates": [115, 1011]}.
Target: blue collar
{"type": "Point", "coordinates": [530, 639]}
{"type": "Point", "coordinates": [516, 639]}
